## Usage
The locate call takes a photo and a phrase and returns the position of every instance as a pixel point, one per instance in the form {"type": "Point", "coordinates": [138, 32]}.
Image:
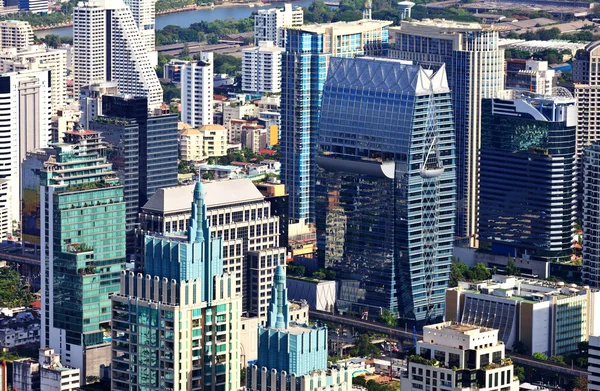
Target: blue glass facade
{"type": "Point", "coordinates": [528, 177]}
{"type": "Point", "coordinates": [304, 70]}
{"type": "Point", "coordinates": [297, 349]}
{"type": "Point", "coordinates": [386, 186]}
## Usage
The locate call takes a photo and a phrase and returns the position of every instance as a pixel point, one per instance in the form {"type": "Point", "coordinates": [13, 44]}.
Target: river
{"type": "Point", "coordinates": [186, 18]}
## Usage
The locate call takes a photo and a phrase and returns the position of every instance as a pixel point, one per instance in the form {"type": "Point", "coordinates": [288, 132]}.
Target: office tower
{"type": "Point", "coordinates": [549, 318]}
{"type": "Point", "coordinates": [586, 78]}
{"type": "Point", "coordinates": [144, 15]}
{"type": "Point", "coordinates": [271, 24]}
{"type": "Point", "coordinates": [197, 145]}
{"type": "Point", "coordinates": [292, 356]}
{"type": "Point", "coordinates": [386, 186]}
{"type": "Point", "coordinates": [261, 68]}
{"type": "Point", "coordinates": [108, 46]}
{"type": "Point", "coordinates": [30, 196]}
{"type": "Point", "coordinates": [239, 215]}
{"type": "Point", "coordinates": [90, 100]}
{"type": "Point", "coordinates": [40, 57]}
{"type": "Point", "coordinates": [475, 67]}
{"type": "Point", "coordinates": [460, 357]}
{"type": "Point", "coordinates": [34, 6]}
{"type": "Point", "coordinates": [529, 75]}
{"type": "Point", "coordinates": [528, 176]}
{"type": "Point", "coordinates": [197, 91]}
{"type": "Point", "coordinates": [82, 250]}
{"type": "Point", "coordinates": [177, 327]}
{"type": "Point", "coordinates": [304, 69]}
{"type": "Point", "coordinates": [15, 34]}
{"type": "Point", "coordinates": [591, 199]}
{"type": "Point", "coordinates": [25, 124]}
{"type": "Point", "coordinates": [157, 142]}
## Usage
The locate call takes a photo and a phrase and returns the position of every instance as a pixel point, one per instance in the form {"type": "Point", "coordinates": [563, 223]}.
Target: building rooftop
{"type": "Point", "coordinates": [447, 25]}
{"type": "Point", "coordinates": [354, 27]}
{"type": "Point", "coordinates": [218, 193]}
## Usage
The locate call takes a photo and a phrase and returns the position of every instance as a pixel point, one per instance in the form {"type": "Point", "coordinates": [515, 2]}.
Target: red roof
{"type": "Point", "coordinates": [37, 304]}
{"type": "Point", "coordinates": [267, 152]}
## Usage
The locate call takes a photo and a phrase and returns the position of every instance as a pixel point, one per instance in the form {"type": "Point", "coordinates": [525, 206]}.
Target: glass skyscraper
{"type": "Point", "coordinates": [82, 249]}
{"type": "Point", "coordinates": [528, 176]}
{"type": "Point", "coordinates": [386, 185]}
{"type": "Point", "coordinates": [304, 69]}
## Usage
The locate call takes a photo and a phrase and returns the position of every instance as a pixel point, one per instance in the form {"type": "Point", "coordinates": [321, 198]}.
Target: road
{"type": "Point", "coordinates": [548, 365]}
{"type": "Point", "coordinates": [394, 332]}
{"type": "Point", "coordinates": [197, 47]}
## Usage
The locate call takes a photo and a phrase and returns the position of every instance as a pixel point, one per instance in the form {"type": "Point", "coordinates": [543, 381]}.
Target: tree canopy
{"type": "Point", "coordinates": [12, 290]}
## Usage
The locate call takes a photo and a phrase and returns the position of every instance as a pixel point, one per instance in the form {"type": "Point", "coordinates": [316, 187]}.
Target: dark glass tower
{"type": "Point", "coordinates": [386, 185]}
{"type": "Point", "coordinates": [528, 176]}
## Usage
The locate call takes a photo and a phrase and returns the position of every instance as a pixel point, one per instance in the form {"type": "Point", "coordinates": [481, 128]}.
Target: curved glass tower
{"type": "Point", "coordinates": [386, 185]}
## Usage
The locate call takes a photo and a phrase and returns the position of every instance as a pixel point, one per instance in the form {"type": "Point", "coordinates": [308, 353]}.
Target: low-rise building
{"type": "Point", "coordinates": [550, 318]}
{"type": "Point", "coordinates": [457, 356]}
{"type": "Point", "coordinates": [46, 374]}
{"type": "Point", "coordinates": [21, 329]}
{"type": "Point", "coordinates": [196, 145]}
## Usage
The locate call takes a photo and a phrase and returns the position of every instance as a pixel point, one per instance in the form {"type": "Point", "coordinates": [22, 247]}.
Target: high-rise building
{"type": "Point", "coordinates": [529, 75]}
{"type": "Point", "coordinates": [197, 91]}
{"type": "Point", "coordinates": [270, 25]}
{"type": "Point", "coordinates": [386, 186]}
{"type": "Point", "coordinates": [25, 123]}
{"type": "Point", "coordinates": [157, 142]}
{"type": "Point", "coordinates": [239, 214]}
{"type": "Point", "coordinates": [261, 68]}
{"type": "Point", "coordinates": [292, 356]}
{"type": "Point", "coordinates": [304, 69]}
{"type": "Point", "coordinates": [34, 6]}
{"type": "Point", "coordinates": [546, 317]}
{"type": "Point", "coordinates": [90, 100]}
{"type": "Point", "coordinates": [586, 78]}
{"type": "Point", "coordinates": [15, 34]}
{"type": "Point", "coordinates": [591, 217]}
{"type": "Point", "coordinates": [39, 57]}
{"type": "Point", "coordinates": [475, 66]}
{"type": "Point", "coordinates": [528, 146]}
{"type": "Point", "coordinates": [108, 46]}
{"type": "Point", "coordinates": [177, 327]}
{"type": "Point", "coordinates": [460, 357]}
{"type": "Point", "coordinates": [82, 250]}
{"type": "Point", "coordinates": [144, 15]}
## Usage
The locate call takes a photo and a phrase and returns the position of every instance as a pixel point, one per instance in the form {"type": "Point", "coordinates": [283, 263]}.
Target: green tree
{"type": "Point", "coordinates": [389, 318]}
{"type": "Point", "coordinates": [557, 359]}
{"type": "Point", "coordinates": [170, 92]}
{"type": "Point", "coordinates": [224, 63]}
{"type": "Point", "coordinates": [580, 383]}
{"type": "Point", "coordinates": [12, 290]}
{"type": "Point", "coordinates": [319, 275]}
{"type": "Point", "coordinates": [511, 267]}
{"type": "Point", "coordinates": [520, 372]}
{"type": "Point", "coordinates": [363, 347]}
{"type": "Point", "coordinates": [519, 347]}
{"type": "Point", "coordinates": [540, 356]}
{"type": "Point", "coordinates": [479, 272]}
{"type": "Point", "coordinates": [458, 272]}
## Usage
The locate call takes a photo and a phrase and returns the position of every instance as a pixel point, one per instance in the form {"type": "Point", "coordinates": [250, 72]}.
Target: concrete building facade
{"type": "Point", "coordinates": [261, 68]}
{"type": "Point", "coordinates": [270, 25]}
{"type": "Point", "coordinates": [197, 91]}
{"type": "Point", "coordinates": [15, 34]}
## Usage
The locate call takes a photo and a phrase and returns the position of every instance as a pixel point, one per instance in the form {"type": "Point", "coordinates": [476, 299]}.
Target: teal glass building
{"type": "Point", "coordinates": [528, 176]}
{"type": "Point", "coordinates": [386, 186]}
{"type": "Point", "coordinates": [82, 249]}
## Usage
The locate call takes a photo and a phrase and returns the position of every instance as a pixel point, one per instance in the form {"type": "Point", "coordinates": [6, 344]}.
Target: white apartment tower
{"type": "Point", "coordinates": [15, 34]}
{"type": "Point", "coordinates": [144, 15]}
{"type": "Point", "coordinates": [461, 358]}
{"type": "Point", "coordinates": [269, 25]}
{"type": "Point", "coordinates": [25, 121]}
{"type": "Point", "coordinates": [594, 364]}
{"type": "Point", "coordinates": [108, 46]}
{"type": "Point", "coordinates": [40, 57]}
{"type": "Point", "coordinates": [197, 91]}
{"type": "Point", "coordinates": [475, 67]}
{"type": "Point", "coordinates": [261, 68]}
{"type": "Point", "coordinates": [590, 270]}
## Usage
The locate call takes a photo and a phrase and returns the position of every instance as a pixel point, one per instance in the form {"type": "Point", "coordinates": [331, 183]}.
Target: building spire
{"type": "Point", "coordinates": [279, 308]}
{"type": "Point", "coordinates": [198, 217]}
